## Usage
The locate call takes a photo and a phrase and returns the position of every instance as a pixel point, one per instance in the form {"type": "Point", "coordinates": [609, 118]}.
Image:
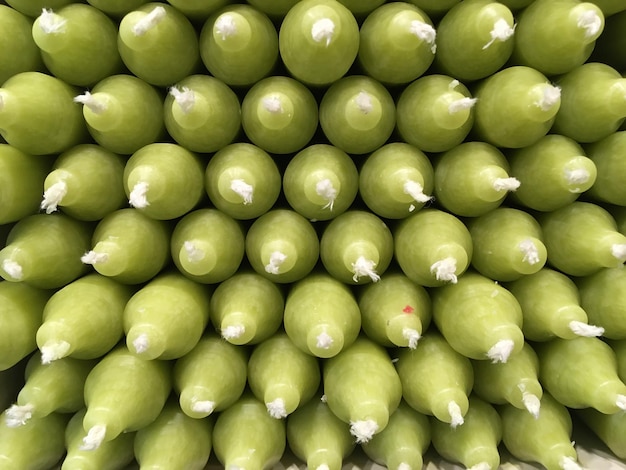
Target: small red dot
{"type": "Point", "coordinates": [408, 309]}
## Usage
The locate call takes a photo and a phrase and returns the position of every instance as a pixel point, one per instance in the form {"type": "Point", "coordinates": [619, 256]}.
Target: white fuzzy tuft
{"type": "Point", "coordinates": [277, 258]}
{"type": "Point", "coordinates": [425, 32]}
{"type": "Point", "coordinates": [13, 269]}
{"type": "Point", "coordinates": [141, 343]}
{"type": "Point", "coordinates": [550, 97]}
{"type": "Point", "coordinates": [364, 267]}
{"type": "Point", "coordinates": [591, 22]}
{"type": "Point", "coordinates": [325, 189]}
{"type": "Point", "coordinates": [618, 250]}
{"type": "Point", "coordinates": [501, 351]}
{"type": "Point", "coordinates": [416, 191]}
{"type": "Point", "coordinates": [577, 176]}
{"type": "Point", "coordinates": [149, 21]}
{"type": "Point", "coordinates": [444, 270]}
{"type": "Point", "coordinates": [501, 32]}
{"type": "Point", "coordinates": [194, 254]}
{"type": "Point", "coordinates": [93, 257]}
{"type": "Point", "coordinates": [139, 195]}
{"type": "Point", "coordinates": [530, 251]}
{"type": "Point", "coordinates": [461, 104]}
{"type": "Point", "coordinates": [53, 196]}
{"type": "Point", "coordinates": [51, 23]}
{"type": "Point", "coordinates": [233, 331]}
{"type": "Point", "coordinates": [506, 184]}
{"type": "Point", "coordinates": [54, 351]}
{"type": "Point", "coordinates": [243, 189]}
{"type": "Point", "coordinates": [225, 26]}
{"type": "Point", "coordinates": [364, 102]}
{"type": "Point", "coordinates": [363, 430]}
{"type": "Point", "coordinates": [532, 403]}
{"type": "Point", "coordinates": [273, 104]}
{"type": "Point", "coordinates": [276, 408]}
{"type": "Point", "coordinates": [583, 329]}
{"type": "Point", "coordinates": [202, 406]}
{"type": "Point", "coordinates": [95, 105]}
{"type": "Point", "coordinates": [185, 98]}
{"type": "Point", "coordinates": [17, 416]}
{"type": "Point", "coordinates": [480, 466]}
{"type": "Point", "coordinates": [412, 336]}
{"type": "Point", "coordinates": [94, 438]}
{"type": "Point", "coordinates": [568, 463]}
{"type": "Point", "coordinates": [456, 417]}
{"type": "Point", "coordinates": [621, 402]}
{"type": "Point", "coordinates": [324, 341]}
{"type": "Point", "coordinates": [323, 30]}
{"type": "Point", "coordinates": [404, 466]}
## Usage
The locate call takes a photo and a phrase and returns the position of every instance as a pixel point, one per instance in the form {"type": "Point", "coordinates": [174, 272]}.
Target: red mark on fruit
{"type": "Point", "coordinates": [408, 309]}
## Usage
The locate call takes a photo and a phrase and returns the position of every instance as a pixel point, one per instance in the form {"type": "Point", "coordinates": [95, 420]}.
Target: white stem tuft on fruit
{"type": "Point", "coordinates": [138, 197]}
{"type": "Point", "coordinates": [456, 417]}
{"type": "Point", "coordinates": [584, 329]}
{"type": "Point", "coordinates": [363, 101]}
{"type": "Point", "coordinates": [323, 30]}
{"type": "Point", "coordinates": [412, 336]}
{"type": "Point", "coordinates": [577, 176]}
{"type": "Point", "coordinates": [416, 191]}
{"type": "Point", "coordinates": [94, 104]}
{"type": "Point", "coordinates": [550, 97]}
{"type": "Point", "coordinates": [501, 32]}
{"type": "Point", "coordinates": [501, 351]}
{"type": "Point", "coordinates": [141, 343]}
{"type": "Point", "coordinates": [480, 466]}
{"type": "Point", "coordinates": [363, 430]}
{"type": "Point", "coordinates": [404, 466]}
{"type": "Point", "coordinates": [93, 257]}
{"type": "Point", "coordinates": [185, 98]}
{"type": "Point", "coordinates": [53, 351]}
{"type": "Point", "coordinates": [530, 251]}
{"type": "Point", "coordinates": [53, 196]}
{"type": "Point", "coordinates": [13, 269]}
{"type": "Point", "coordinates": [194, 254]}
{"type": "Point", "coordinates": [591, 22]}
{"type": "Point", "coordinates": [324, 341]}
{"type": "Point", "coordinates": [461, 104]}
{"type": "Point", "coordinates": [225, 26]}
{"type": "Point", "coordinates": [445, 270]}
{"type": "Point", "coordinates": [276, 408]}
{"type": "Point", "coordinates": [506, 184]}
{"type": "Point", "coordinates": [364, 267]}
{"type": "Point", "coordinates": [568, 463]}
{"type": "Point", "coordinates": [531, 403]}
{"type": "Point", "coordinates": [277, 258]}
{"type": "Point", "coordinates": [618, 250]}
{"type": "Point", "coordinates": [425, 32]}
{"type": "Point", "coordinates": [16, 415]}
{"type": "Point", "coordinates": [94, 438]}
{"type": "Point", "coordinates": [325, 189]}
{"type": "Point", "coordinates": [202, 406]}
{"type": "Point", "coordinates": [51, 23]}
{"type": "Point", "coordinates": [233, 331]}
{"type": "Point", "coordinates": [273, 104]}
{"type": "Point", "coordinates": [149, 21]}
{"type": "Point", "coordinates": [243, 189]}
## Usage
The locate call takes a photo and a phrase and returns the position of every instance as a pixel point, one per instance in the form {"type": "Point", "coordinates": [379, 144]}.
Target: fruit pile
{"type": "Point", "coordinates": [232, 228]}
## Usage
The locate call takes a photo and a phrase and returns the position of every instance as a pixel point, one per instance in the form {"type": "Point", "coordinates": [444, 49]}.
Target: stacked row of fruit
{"type": "Point", "coordinates": [228, 226]}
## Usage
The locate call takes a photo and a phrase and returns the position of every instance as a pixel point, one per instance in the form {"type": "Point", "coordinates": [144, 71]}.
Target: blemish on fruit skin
{"type": "Point", "coordinates": [408, 309]}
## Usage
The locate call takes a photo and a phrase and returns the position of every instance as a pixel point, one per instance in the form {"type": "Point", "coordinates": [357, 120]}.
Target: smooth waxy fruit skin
{"type": "Point", "coordinates": [608, 157]}
{"type": "Point", "coordinates": [19, 51]}
{"type": "Point", "coordinates": [397, 43]}
{"type": "Point", "coordinates": [37, 114]}
{"type": "Point", "coordinates": [602, 297]}
{"type": "Point", "coordinates": [611, 429]}
{"type": "Point", "coordinates": [317, 436]}
{"type": "Point", "coordinates": [239, 45]}
{"type": "Point", "coordinates": [318, 41]}
{"type": "Point", "coordinates": [78, 44]}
